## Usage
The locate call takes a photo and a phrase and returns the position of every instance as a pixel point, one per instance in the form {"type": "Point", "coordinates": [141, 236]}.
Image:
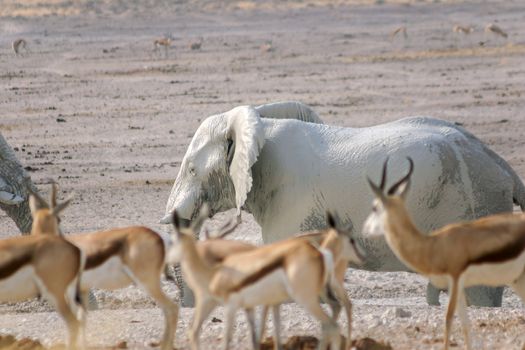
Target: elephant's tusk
{"type": "Point", "coordinates": [166, 219]}
{"type": "Point", "coordinates": [10, 198]}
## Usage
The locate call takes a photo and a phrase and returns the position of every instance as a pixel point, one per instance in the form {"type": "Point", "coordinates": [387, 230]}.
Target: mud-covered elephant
{"type": "Point", "coordinates": [287, 173]}
{"type": "Point", "coordinates": [14, 184]}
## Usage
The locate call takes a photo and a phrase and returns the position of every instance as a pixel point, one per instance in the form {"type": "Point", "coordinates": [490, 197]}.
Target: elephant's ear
{"type": "Point", "coordinates": [246, 132]}
{"type": "Point", "coordinates": [289, 110]}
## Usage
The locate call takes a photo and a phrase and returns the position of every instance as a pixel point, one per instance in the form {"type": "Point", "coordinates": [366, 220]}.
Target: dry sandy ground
{"type": "Point", "coordinates": [94, 108]}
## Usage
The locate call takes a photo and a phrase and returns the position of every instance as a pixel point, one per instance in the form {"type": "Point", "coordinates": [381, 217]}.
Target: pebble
{"type": "Point", "coordinates": [396, 312]}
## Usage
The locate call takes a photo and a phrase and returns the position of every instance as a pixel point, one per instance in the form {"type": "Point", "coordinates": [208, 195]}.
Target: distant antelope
{"type": "Point", "coordinates": [19, 44]}
{"type": "Point", "coordinates": [462, 29]}
{"type": "Point", "coordinates": [395, 32]}
{"type": "Point", "coordinates": [488, 251]}
{"type": "Point", "coordinates": [492, 28]}
{"type": "Point", "coordinates": [267, 46]}
{"type": "Point", "coordinates": [157, 43]}
{"type": "Point", "coordinates": [196, 45]}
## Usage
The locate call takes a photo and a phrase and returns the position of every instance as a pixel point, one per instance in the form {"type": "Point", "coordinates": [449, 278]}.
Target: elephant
{"type": "Point", "coordinates": [287, 173]}
{"type": "Point", "coordinates": [14, 185]}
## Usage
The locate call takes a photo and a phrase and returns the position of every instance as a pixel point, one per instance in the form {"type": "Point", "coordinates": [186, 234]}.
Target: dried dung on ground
{"type": "Point", "coordinates": [310, 343]}
{"type": "Point", "coordinates": [9, 342]}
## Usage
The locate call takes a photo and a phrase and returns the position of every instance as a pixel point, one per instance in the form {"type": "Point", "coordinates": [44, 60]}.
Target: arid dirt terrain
{"type": "Point", "coordinates": [90, 105]}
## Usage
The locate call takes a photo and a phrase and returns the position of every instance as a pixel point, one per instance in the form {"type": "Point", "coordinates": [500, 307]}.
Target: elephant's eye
{"type": "Point", "coordinates": [192, 171]}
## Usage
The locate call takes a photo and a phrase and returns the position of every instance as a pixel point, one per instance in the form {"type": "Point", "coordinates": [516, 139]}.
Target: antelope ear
{"type": "Point", "coordinates": [403, 188]}
{"type": "Point", "coordinates": [33, 205]}
{"type": "Point", "coordinates": [246, 132]}
{"type": "Point", "coordinates": [36, 202]}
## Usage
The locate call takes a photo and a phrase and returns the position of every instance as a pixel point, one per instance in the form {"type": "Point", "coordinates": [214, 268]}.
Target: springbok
{"type": "Point", "coordinates": [462, 29]}
{"type": "Point", "coordinates": [196, 44]}
{"type": "Point", "coordinates": [157, 43]}
{"type": "Point", "coordinates": [488, 251]}
{"type": "Point", "coordinates": [495, 29]}
{"type": "Point", "coordinates": [395, 32]}
{"type": "Point", "coordinates": [18, 44]}
{"type": "Point", "coordinates": [47, 266]}
{"type": "Point", "coordinates": [120, 257]}
{"type": "Point", "coordinates": [269, 275]}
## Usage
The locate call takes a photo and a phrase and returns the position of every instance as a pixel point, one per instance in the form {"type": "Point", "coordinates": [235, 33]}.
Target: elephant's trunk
{"type": "Point", "coordinates": [20, 214]}
{"type": "Point", "coordinates": [15, 182]}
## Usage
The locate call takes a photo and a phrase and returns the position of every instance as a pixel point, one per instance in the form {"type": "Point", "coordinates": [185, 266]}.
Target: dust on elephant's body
{"type": "Point", "coordinates": [14, 184]}
{"type": "Point", "coordinates": [287, 173]}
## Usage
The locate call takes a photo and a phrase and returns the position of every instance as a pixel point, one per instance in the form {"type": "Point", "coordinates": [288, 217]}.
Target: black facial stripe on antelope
{"type": "Point", "coordinates": [13, 265]}
{"type": "Point", "coordinates": [100, 256]}
{"type": "Point", "coordinates": [253, 278]}
{"type": "Point", "coordinates": [508, 252]}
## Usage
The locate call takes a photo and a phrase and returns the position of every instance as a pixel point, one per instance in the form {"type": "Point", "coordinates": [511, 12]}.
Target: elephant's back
{"type": "Point", "coordinates": [413, 130]}
{"type": "Point", "coordinates": [455, 177]}
{"type": "Point", "coordinates": [446, 157]}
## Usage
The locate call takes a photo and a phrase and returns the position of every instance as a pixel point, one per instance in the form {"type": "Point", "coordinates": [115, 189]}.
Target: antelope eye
{"type": "Point", "coordinates": [352, 240]}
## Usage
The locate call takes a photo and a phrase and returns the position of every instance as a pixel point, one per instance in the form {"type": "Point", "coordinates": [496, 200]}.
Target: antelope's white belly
{"type": "Point", "coordinates": [495, 274]}
{"type": "Point", "coordinates": [19, 286]}
{"type": "Point", "coordinates": [269, 290]}
{"type": "Point", "coordinates": [489, 274]}
{"type": "Point", "coordinates": [110, 275]}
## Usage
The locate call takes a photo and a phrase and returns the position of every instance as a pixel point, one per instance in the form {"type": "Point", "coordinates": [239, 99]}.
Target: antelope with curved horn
{"type": "Point", "coordinates": [488, 251]}
{"type": "Point", "coordinates": [245, 279]}
{"type": "Point", "coordinates": [45, 265]}
{"type": "Point", "coordinates": [120, 257]}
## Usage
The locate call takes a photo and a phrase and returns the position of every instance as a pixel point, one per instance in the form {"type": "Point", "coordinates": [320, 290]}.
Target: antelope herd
{"type": "Point", "coordinates": [307, 269]}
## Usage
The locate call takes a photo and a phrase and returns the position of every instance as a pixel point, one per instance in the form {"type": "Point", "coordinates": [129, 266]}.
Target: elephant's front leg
{"type": "Point", "coordinates": [478, 296]}
{"type": "Point", "coordinates": [433, 294]}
